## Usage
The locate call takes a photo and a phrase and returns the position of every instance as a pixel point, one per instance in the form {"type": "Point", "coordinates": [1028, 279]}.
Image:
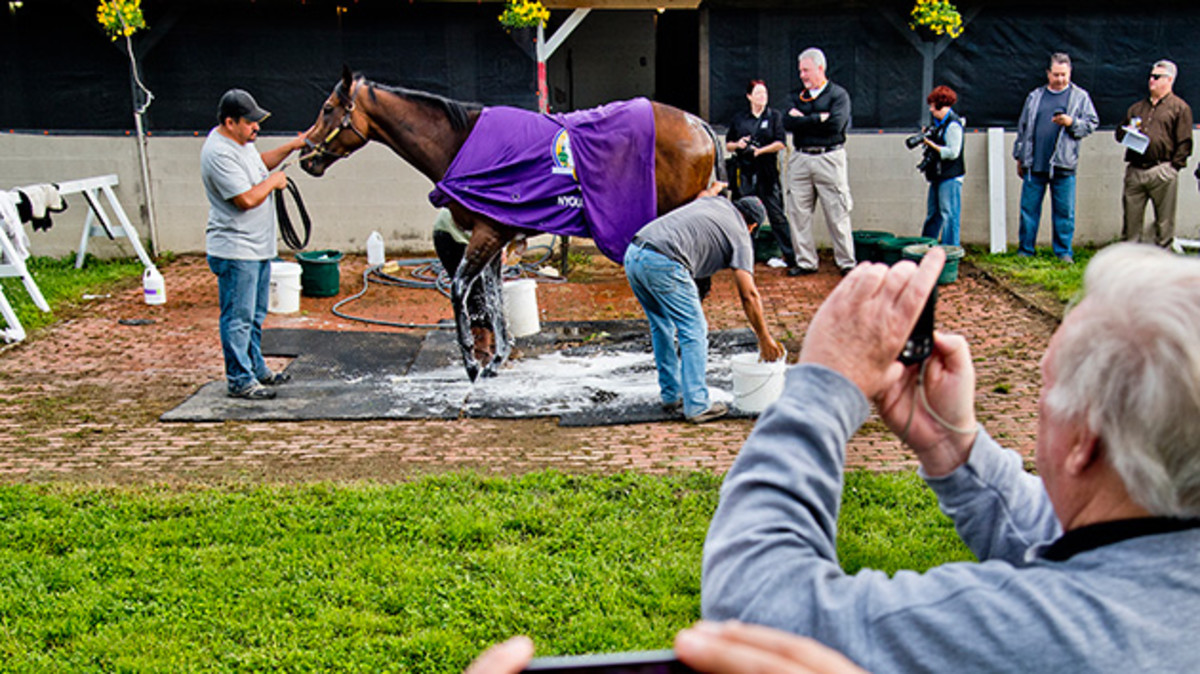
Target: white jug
{"type": "Point", "coordinates": [375, 256]}
{"type": "Point", "coordinates": [154, 289]}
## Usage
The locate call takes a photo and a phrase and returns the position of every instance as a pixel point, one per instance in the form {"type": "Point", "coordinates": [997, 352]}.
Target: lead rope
{"type": "Point", "coordinates": [286, 231]}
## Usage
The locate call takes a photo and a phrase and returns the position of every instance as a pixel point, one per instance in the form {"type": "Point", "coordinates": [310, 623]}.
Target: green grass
{"type": "Point", "coordinates": [416, 577]}
{"type": "Point", "coordinates": [1042, 270]}
{"type": "Point", "coordinates": [63, 286]}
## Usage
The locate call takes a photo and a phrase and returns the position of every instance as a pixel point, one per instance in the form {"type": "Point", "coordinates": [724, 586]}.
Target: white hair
{"type": "Point", "coordinates": [813, 54]}
{"type": "Point", "coordinates": [1168, 66]}
{"type": "Point", "coordinates": [1127, 365]}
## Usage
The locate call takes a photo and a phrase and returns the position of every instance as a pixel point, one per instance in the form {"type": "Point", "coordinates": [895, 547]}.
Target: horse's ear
{"type": "Point", "coordinates": [347, 77]}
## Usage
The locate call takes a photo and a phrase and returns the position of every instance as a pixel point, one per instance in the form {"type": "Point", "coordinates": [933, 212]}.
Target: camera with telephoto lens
{"type": "Point", "coordinates": [915, 140]}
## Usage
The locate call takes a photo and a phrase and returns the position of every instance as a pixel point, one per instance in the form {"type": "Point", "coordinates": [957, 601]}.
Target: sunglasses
{"type": "Point", "coordinates": [1158, 76]}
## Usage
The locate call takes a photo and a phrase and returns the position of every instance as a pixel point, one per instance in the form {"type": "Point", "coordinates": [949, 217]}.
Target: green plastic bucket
{"type": "Point", "coordinates": [319, 271]}
{"type": "Point", "coordinates": [765, 244]}
{"type": "Point", "coordinates": [891, 250]}
{"type": "Point", "coordinates": [953, 255]}
{"type": "Point", "coordinates": [866, 244]}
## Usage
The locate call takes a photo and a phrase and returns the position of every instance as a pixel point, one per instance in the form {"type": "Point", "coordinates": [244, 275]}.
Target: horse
{"type": "Point", "coordinates": [428, 130]}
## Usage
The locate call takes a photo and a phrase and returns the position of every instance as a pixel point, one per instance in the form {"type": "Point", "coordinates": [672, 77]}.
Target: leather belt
{"type": "Point", "coordinates": [819, 149]}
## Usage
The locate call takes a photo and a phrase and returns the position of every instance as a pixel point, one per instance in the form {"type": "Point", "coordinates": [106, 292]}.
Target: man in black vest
{"type": "Point", "coordinates": [817, 120]}
{"type": "Point", "coordinates": [943, 167]}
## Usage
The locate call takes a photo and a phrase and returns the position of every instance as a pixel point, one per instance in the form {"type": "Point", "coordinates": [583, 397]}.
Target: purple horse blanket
{"type": "Point", "coordinates": [588, 173]}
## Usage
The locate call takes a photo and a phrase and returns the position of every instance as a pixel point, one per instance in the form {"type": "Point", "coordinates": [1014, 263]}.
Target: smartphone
{"type": "Point", "coordinates": [629, 662]}
{"type": "Point", "coordinates": [920, 343]}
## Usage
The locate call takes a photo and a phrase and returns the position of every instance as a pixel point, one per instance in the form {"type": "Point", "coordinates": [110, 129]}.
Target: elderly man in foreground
{"type": "Point", "coordinates": [1091, 565]}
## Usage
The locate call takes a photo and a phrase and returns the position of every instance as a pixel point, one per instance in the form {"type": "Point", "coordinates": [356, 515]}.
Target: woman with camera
{"type": "Point", "coordinates": [754, 140]}
{"type": "Point", "coordinates": [943, 166]}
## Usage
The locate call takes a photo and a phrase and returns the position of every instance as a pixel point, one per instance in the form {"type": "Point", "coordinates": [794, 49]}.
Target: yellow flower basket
{"type": "Point", "coordinates": [120, 18]}
{"type": "Point", "coordinates": [524, 14]}
{"type": "Point", "coordinates": [938, 17]}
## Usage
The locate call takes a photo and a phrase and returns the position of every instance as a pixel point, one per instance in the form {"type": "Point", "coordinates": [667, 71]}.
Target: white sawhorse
{"type": "Point", "coordinates": [91, 189]}
{"type": "Point", "coordinates": [12, 265]}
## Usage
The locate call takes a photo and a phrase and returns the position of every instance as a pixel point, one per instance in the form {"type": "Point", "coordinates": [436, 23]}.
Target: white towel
{"type": "Point", "coordinates": [10, 225]}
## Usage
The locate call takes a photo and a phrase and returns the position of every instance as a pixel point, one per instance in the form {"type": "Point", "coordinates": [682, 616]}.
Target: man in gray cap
{"type": "Point", "coordinates": [240, 237]}
{"type": "Point", "coordinates": [664, 263]}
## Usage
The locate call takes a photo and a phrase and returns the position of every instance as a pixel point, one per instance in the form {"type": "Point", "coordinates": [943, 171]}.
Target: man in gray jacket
{"type": "Point", "coordinates": [1089, 566]}
{"type": "Point", "coordinates": [1055, 118]}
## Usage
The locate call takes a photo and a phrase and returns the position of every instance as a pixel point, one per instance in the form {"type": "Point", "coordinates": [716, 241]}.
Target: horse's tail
{"type": "Point", "coordinates": [719, 172]}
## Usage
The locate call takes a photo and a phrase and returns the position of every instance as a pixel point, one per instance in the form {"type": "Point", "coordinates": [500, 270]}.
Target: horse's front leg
{"type": "Point", "coordinates": [460, 289]}
{"type": "Point", "coordinates": [493, 298]}
{"type": "Point", "coordinates": [477, 300]}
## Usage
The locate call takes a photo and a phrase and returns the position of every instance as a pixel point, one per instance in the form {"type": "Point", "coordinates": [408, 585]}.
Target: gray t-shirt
{"type": "Point", "coordinates": [229, 169]}
{"type": "Point", "coordinates": [706, 236]}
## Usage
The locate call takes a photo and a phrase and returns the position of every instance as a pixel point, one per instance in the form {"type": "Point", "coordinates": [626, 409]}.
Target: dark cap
{"type": "Point", "coordinates": [239, 104]}
{"type": "Point", "coordinates": [752, 210]}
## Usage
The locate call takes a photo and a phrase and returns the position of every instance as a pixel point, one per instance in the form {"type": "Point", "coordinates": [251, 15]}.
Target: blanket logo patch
{"type": "Point", "coordinates": [564, 163]}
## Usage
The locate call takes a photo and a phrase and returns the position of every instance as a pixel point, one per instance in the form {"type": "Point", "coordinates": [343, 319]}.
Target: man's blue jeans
{"type": "Point", "coordinates": [943, 211]}
{"type": "Point", "coordinates": [672, 304]}
{"type": "Point", "coordinates": [1062, 211]}
{"type": "Point", "coordinates": [243, 288]}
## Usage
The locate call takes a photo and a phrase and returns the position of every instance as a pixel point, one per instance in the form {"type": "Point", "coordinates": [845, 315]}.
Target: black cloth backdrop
{"type": "Point", "coordinates": [60, 73]}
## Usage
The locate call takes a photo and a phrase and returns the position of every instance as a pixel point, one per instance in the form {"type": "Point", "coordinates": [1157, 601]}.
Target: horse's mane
{"type": "Point", "coordinates": [457, 112]}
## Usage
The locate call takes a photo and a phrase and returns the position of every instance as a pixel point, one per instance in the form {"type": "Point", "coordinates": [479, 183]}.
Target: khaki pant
{"type": "Point", "coordinates": [1158, 184]}
{"type": "Point", "coordinates": [820, 176]}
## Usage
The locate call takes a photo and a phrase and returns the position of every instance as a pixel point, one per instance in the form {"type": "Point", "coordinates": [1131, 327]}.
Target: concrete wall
{"type": "Point", "coordinates": [376, 190]}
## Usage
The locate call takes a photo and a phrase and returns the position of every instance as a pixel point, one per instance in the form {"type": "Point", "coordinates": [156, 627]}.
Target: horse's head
{"type": "Point", "coordinates": [336, 133]}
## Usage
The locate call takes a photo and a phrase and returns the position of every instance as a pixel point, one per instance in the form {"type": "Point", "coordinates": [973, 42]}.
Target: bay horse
{"type": "Point", "coordinates": [428, 131]}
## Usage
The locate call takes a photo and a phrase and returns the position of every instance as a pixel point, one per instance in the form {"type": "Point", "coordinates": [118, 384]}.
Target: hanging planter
{"type": "Point", "coordinates": [120, 18]}
{"type": "Point", "coordinates": [934, 19]}
{"type": "Point", "coordinates": [524, 14]}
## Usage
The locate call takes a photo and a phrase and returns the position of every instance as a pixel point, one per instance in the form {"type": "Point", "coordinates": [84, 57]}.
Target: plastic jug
{"type": "Point", "coordinates": [375, 254]}
{"type": "Point", "coordinates": [154, 289]}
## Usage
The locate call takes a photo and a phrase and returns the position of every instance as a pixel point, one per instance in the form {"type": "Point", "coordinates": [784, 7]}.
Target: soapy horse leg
{"type": "Point", "coordinates": [478, 300]}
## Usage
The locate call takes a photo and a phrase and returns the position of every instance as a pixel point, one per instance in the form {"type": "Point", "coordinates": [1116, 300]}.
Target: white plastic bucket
{"type": "Point", "coordinates": [755, 384]}
{"type": "Point", "coordinates": [285, 288]}
{"type": "Point", "coordinates": [154, 289]}
{"type": "Point", "coordinates": [521, 307]}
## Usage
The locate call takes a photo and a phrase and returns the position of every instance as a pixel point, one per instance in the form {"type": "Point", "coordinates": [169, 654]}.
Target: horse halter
{"type": "Point", "coordinates": [346, 124]}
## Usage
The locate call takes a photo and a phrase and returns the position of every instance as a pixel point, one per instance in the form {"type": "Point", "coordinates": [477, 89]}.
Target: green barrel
{"type": "Point", "coordinates": [866, 244]}
{"type": "Point", "coordinates": [953, 254]}
{"type": "Point", "coordinates": [319, 271]}
{"type": "Point", "coordinates": [891, 250]}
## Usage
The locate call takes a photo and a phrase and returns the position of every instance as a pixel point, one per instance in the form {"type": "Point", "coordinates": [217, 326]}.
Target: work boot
{"type": "Point", "coordinates": [714, 411]}
{"type": "Point", "coordinates": [254, 391]}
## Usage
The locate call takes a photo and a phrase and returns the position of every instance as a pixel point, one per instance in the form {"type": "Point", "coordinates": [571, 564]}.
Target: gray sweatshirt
{"type": "Point", "coordinates": [770, 558]}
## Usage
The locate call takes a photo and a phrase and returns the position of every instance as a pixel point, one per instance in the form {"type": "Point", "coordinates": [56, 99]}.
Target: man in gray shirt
{"type": "Point", "coordinates": [692, 242]}
{"type": "Point", "coordinates": [1091, 565]}
{"type": "Point", "coordinates": [1055, 118]}
{"type": "Point", "coordinates": [240, 237]}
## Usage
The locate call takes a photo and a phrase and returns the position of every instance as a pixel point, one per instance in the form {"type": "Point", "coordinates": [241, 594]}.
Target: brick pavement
{"type": "Point", "coordinates": [79, 401]}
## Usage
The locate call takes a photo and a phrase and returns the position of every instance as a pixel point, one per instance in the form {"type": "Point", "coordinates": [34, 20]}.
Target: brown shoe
{"type": "Point", "coordinates": [714, 411]}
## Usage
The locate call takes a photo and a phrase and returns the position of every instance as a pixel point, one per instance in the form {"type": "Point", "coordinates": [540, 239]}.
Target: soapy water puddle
{"type": "Point", "coordinates": [552, 384]}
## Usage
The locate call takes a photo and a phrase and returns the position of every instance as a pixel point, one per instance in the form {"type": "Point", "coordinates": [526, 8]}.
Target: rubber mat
{"type": "Point", "coordinates": [585, 373]}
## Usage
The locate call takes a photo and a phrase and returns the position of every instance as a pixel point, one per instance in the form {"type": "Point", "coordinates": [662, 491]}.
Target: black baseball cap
{"type": "Point", "coordinates": [752, 210]}
{"type": "Point", "coordinates": [239, 104]}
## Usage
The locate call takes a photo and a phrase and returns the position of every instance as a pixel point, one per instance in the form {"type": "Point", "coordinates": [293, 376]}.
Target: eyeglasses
{"type": "Point", "coordinates": [1158, 76]}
